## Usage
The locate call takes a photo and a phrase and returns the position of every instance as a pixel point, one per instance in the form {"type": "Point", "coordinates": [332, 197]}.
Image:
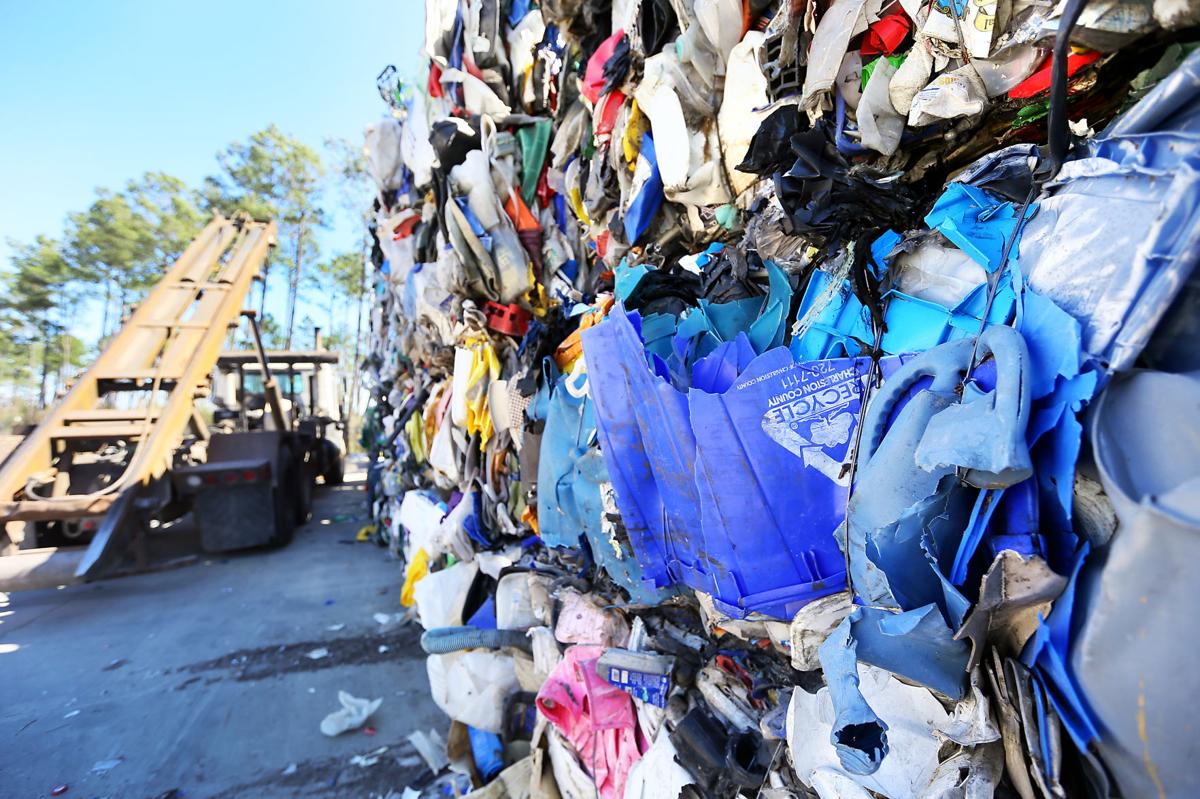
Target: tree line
{"type": "Point", "coordinates": [113, 251]}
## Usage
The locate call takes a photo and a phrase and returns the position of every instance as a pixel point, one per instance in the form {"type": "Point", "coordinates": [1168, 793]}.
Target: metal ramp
{"type": "Point", "coordinates": [137, 401]}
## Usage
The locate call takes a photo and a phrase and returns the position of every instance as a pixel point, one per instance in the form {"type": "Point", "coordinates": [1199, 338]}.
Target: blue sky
{"type": "Point", "coordinates": [92, 94]}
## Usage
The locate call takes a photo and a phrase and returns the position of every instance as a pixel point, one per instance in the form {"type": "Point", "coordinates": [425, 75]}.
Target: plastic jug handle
{"type": "Point", "coordinates": [1012, 398]}
{"type": "Point", "coordinates": [945, 363]}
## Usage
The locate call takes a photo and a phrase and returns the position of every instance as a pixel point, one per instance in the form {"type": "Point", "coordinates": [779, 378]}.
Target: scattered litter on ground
{"type": "Point", "coordinates": [105, 766]}
{"type": "Point", "coordinates": [368, 759]}
{"type": "Point", "coordinates": [352, 715]}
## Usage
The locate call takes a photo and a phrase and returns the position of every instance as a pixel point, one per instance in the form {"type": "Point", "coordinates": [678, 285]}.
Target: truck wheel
{"type": "Point", "coordinates": [283, 498]}
{"type": "Point", "coordinates": [303, 487]}
{"type": "Point", "coordinates": [336, 472]}
{"type": "Point", "coordinates": [284, 518]}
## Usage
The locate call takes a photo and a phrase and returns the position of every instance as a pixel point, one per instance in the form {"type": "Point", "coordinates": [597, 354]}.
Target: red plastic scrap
{"type": "Point", "coordinates": [735, 669]}
{"type": "Point", "coordinates": [469, 66]}
{"type": "Point", "coordinates": [512, 320]}
{"type": "Point", "coordinates": [545, 194]}
{"type": "Point", "coordinates": [593, 76]}
{"type": "Point", "coordinates": [1039, 81]}
{"type": "Point", "coordinates": [434, 84]}
{"type": "Point", "coordinates": [607, 119]}
{"type": "Point", "coordinates": [602, 243]}
{"type": "Point", "coordinates": [59, 790]}
{"type": "Point", "coordinates": [406, 227]}
{"type": "Point", "coordinates": [884, 36]}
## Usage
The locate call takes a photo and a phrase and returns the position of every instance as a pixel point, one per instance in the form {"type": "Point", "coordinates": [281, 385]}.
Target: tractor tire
{"type": "Point", "coordinates": [284, 502]}
{"type": "Point", "coordinates": [303, 490]}
{"type": "Point", "coordinates": [335, 475]}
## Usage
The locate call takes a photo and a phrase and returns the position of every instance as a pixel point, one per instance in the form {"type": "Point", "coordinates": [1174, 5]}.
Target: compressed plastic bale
{"type": "Point", "coordinates": [514, 606]}
{"type": "Point", "coordinates": [417, 569]}
{"type": "Point", "coordinates": [812, 624]}
{"type": "Point", "coordinates": [479, 97]}
{"type": "Point", "coordinates": [595, 717]}
{"type": "Point", "coordinates": [472, 687]}
{"type": "Point", "coordinates": [911, 76]}
{"type": "Point", "coordinates": [414, 141]}
{"type": "Point", "coordinates": [441, 596]}
{"type": "Point", "coordinates": [959, 93]}
{"type": "Point", "coordinates": [740, 115]}
{"type": "Point", "coordinates": [1132, 612]}
{"type": "Point", "coordinates": [721, 21]}
{"type": "Point", "coordinates": [571, 781]}
{"type": "Point", "coordinates": [383, 150]}
{"type": "Point", "coordinates": [581, 620]}
{"type": "Point", "coordinates": [1143, 171]}
{"type": "Point", "coordinates": [912, 716]}
{"type": "Point", "coordinates": [829, 44]}
{"type": "Point", "coordinates": [439, 22]}
{"type": "Point", "coordinates": [444, 640]}
{"type": "Point", "coordinates": [421, 516]}
{"type": "Point", "coordinates": [880, 125]}
{"type": "Point", "coordinates": [659, 774]}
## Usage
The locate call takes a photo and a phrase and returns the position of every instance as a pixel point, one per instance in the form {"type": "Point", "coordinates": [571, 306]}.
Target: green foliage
{"type": "Point", "coordinates": [38, 283]}
{"type": "Point", "coordinates": [36, 307]}
{"type": "Point", "coordinates": [125, 240]}
{"type": "Point", "coordinates": [270, 176]}
{"type": "Point", "coordinates": [274, 176]}
{"type": "Point", "coordinates": [354, 186]}
{"type": "Point", "coordinates": [345, 273]}
{"type": "Point", "coordinates": [268, 327]}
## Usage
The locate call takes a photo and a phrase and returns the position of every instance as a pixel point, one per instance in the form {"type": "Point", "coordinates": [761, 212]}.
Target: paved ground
{"type": "Point", "coordinates": [196, 680]}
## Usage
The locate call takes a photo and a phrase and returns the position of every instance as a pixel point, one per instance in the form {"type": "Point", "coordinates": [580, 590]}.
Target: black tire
{"type": "Point", "coordinates": [335, 475]}
{"type": "Point", "coordinates": [302, 488]}
{"type": "Point", "coordinates": [283, 499]}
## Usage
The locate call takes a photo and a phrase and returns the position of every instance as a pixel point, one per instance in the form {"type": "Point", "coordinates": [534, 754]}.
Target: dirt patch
{"type": "Point", "coordinates": [246, 665]}
{"type": "Point", "coordinates": [337, 777]}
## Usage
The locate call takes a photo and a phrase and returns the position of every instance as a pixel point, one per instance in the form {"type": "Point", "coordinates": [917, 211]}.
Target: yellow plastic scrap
{"type": "Point", "coordinates": [631, 139]}
{"type": "Point", "coordinates": [414, 428]}
{"type": "Point", "coordinates": [417, 569]}
{"type": "Point", "coordinates": [576, 198]}
{"type": "Point", "coordinates": [529, 518]}
{"type": "Point", "coordinates": [536, 298]}
{"type": "Point", "coordinates": [485, 367]}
